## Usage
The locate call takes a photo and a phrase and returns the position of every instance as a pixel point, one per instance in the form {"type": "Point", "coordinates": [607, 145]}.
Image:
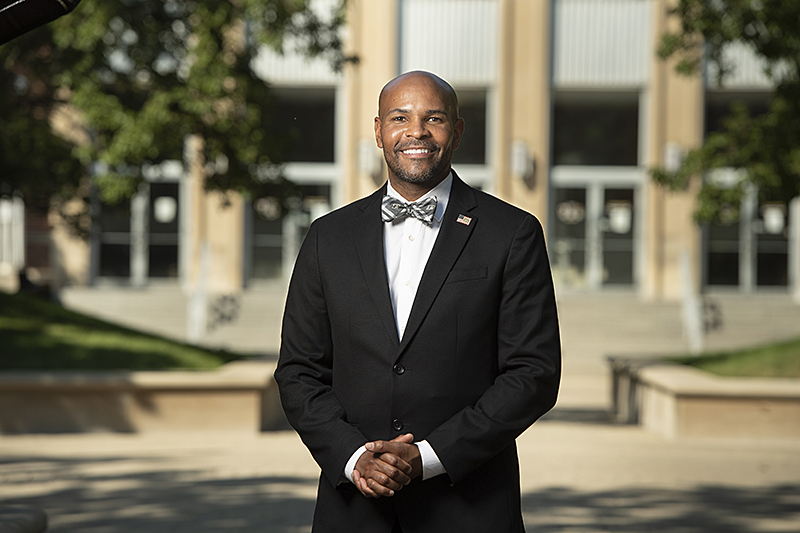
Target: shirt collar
{"type": "Point", "coordinates": [441, 192]}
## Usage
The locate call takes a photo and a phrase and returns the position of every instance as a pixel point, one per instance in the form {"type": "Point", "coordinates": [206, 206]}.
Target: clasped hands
{"type": "Point", "coordinates": [387, 466]}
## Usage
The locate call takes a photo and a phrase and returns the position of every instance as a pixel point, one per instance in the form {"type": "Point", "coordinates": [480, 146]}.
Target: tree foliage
{"type": "Point", "coordinates": [144, 74]}
{"type": "Point", "coordinates": [767, 146]}
{"type": "Point", "coordinates": [35, 162]}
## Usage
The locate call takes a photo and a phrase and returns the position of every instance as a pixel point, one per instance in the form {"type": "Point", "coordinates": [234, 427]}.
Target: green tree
{"type": "Point", "coordinates": [35, 162]}
{"type": "Point", "coordinates": [144, 74]}
{"type": "Point", "coordinates": [765, 147]}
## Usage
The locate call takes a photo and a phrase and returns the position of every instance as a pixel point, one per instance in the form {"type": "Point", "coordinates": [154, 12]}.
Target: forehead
{"type": "Point", "coordinates": [414, 92]}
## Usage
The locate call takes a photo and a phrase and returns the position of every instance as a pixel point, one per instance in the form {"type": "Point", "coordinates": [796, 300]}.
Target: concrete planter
{"type": "Point", "coordinates": [240, 396]}
{"type": "Point", "coordinates": [678, 401]}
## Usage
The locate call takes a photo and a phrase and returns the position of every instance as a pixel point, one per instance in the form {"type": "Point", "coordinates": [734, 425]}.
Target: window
{"type": "Point", "coordinates": [115, 240]}
{"type": "Point", "coordinates": [472, 108]}
{"type": "Point", "coordinates": [723, 253]}
{"type": "Point", "coordinates": [718, 106]}
{"type": "Point", "coordinates": [306, 116]}
{"type": "Point", "coordinates": [164, 236]}
{"type": "Point", "coordinates": [274, 238]}
{"type": "Point", "coordinates": [152, 244]}
{"type": "Point", "coordinates": [593, 129]}
{"type": "Point", "coordinates": [749, 249]}
{"type": "Point", "coordinates": [37, 240]}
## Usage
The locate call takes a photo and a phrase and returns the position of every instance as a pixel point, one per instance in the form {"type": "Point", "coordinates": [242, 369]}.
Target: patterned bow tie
{"type": "Point", "coordinates": [392, 208]}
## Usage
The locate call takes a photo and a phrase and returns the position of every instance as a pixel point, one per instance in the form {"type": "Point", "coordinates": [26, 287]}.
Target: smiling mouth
{"type": "Point", "coordinates": [416, 151]}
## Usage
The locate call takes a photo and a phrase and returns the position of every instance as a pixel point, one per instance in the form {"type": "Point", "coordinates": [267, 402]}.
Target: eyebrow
{"type": "Point", "coordinates": [428, 112]}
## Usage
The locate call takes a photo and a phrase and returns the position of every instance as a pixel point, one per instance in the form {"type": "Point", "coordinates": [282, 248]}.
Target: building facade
{"type": "Point", "coordinates": [566, 107]}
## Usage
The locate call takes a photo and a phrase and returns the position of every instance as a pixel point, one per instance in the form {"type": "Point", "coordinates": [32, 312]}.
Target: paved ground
{"type": "Point", "coordinates": [579, 472]}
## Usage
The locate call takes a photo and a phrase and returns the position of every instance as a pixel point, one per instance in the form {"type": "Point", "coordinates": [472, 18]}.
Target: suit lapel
{"type": "Point", "coordinates": [368, 233]}
{"type": "Point", "coordinates": [452, 237]}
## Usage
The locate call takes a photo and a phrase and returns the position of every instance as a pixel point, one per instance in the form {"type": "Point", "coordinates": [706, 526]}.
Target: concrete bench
{"type": "Point", "coordinates": [22, 519]}
{"type": "Point", "coordinates": [240, 396]}
{"type": "Point", "coordinates": [679, 401]}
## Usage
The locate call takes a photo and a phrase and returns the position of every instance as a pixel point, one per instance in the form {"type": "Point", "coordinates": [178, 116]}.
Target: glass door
{"type": "Point", "coordinates": [618, 237]}
{"type": "Point", "coordinates": [750, 248]}
{"type": "Point", "coordinates": [570, 248]}
{"type": "Point", "coordinates": [595, 236]}
{"type": "Point", "coordinates": [163, 234]}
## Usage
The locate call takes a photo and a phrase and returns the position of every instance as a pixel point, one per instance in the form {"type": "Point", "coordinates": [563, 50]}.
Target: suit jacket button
{"type": "Point", "coordinates": [397, 425]}
{"type": "Point", "coordinates": [399, 369]}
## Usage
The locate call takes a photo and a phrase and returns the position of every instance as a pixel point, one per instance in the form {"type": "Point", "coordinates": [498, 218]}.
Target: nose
{"type": "Point", "coordinates": [417, 128]}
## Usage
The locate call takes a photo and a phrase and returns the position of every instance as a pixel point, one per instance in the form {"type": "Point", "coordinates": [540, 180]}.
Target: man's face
{"type": "Point", "coordinates": [417, 130]}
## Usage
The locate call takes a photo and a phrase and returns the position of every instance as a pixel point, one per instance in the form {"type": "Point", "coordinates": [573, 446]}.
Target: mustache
{"type": "Point", "coordinates": [417, 144]}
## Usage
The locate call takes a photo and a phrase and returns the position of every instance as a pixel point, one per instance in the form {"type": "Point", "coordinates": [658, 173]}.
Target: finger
{"type": "Point", "coordinates": [360, 482]}
{"type": "Point", "coordinates": [365, 490]}
{"type": "Point", "coordinates": [361, 485]}
{"type": "Point", "coordinates": [396, 461]}
{"type": "Point", "coordinates": [387, 476]}
{"type": "Point", "coordinates": [379, 489]}
{"type": "Point", "coordinates": [393, 453]}
{"type": "Point", "coordinates": [372, 467]}
{"type": "Point", "coordinates": [394, 474]}
{"type": "Point", "coordinates": [381, 446]}
{"type": "Point", "coordinates": [406, 438]}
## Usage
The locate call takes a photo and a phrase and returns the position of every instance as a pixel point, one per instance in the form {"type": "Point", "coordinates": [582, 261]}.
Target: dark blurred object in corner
{"type": "Point", "coordinates": [20, 16]}
{"type": "Point", "coordinates": [34, 287]}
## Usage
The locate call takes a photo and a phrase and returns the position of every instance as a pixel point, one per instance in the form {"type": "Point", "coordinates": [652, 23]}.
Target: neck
{"type": "Point", "coordinates": [413, 191]}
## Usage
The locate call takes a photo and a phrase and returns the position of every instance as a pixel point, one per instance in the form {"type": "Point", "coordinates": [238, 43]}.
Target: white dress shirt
{"type": "Point", "coordinates": [407, 244]}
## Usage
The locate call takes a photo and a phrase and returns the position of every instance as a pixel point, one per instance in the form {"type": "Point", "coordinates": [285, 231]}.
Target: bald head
{"type": "Point", "coordinates": [415, 80]}
{"type": "Point", "coordinates": [418, 129]}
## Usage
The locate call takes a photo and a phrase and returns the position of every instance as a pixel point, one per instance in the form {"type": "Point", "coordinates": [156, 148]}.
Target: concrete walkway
{"type": "Point", "coordinates": [579, 472]}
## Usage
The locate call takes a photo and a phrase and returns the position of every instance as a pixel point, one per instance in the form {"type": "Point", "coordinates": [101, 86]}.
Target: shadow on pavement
{"type": "Point", "coordinates": [160, 500]}
{"type": "Point", "coordinates": [109, 496]}
{"type": "Point", "coordinates": [705, 509]}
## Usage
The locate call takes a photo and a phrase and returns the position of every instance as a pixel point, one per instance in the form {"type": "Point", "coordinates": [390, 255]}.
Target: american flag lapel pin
{"type": "Point", "coordinates": [462, 219]}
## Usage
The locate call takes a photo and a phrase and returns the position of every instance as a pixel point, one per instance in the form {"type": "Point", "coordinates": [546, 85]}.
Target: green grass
{"type": "Point", "coordinates": [36, 334]}
{"type": "Point", "coordinates": [769, 361]}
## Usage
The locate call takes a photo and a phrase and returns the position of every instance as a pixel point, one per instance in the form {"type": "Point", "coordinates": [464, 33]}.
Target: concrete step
{"type": "Point", "coordinates": [593, 325]}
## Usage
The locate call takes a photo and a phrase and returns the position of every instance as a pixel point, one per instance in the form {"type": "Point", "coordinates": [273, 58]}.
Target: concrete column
{"type": "Point", "coordinates": [224, 235]}
{"type": "Point", "coordinates": [140, 255]}
{"type": "Point", "coordinates": [747, 240]}
{"type": "Point", "coordinates": [188, 206]}
{"type": "Point", "coordinates": [794, 248]}
{"type": "Point", "coordinates": [524, 92]}
{"type": "Point", "coordinates": [213, 220]}
{"type": "Point", "coordinates": [373, 35]}
{"type": "Point", "coordinates": [194, 216]}
{"type": "Point", "coordinates": [676, 111]}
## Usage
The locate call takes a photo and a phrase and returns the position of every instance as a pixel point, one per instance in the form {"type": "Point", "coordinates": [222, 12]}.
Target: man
{"type": "Point", "coordinates": [419, 341]}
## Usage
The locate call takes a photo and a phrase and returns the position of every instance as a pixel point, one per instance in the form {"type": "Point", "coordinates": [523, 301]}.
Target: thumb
{"type": "Point", "coordinates": [406, 438]}
{"type": "Point", "coordinates": [375, 446]}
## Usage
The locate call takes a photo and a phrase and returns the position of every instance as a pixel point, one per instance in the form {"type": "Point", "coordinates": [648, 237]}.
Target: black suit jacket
{"type": "Point", "coordinates": [479, 361]}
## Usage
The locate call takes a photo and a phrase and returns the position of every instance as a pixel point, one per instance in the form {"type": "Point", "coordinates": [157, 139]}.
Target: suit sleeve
{"type": "Point", "coordinates": [529, 362]}
{"type": "Point", "coordinates": [304, 370]}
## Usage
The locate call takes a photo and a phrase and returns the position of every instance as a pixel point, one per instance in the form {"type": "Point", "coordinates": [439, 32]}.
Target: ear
{"type": "Point", "coordinates": [378, 139]}
{"type": "Point", "coordinates": [458, 132]}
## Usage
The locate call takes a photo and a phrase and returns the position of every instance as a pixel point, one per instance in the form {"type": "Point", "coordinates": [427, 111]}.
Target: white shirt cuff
{"type": "Point", "coordinates": [431, 465]}
{"type": "Point", "coordinates": [351, 464]}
